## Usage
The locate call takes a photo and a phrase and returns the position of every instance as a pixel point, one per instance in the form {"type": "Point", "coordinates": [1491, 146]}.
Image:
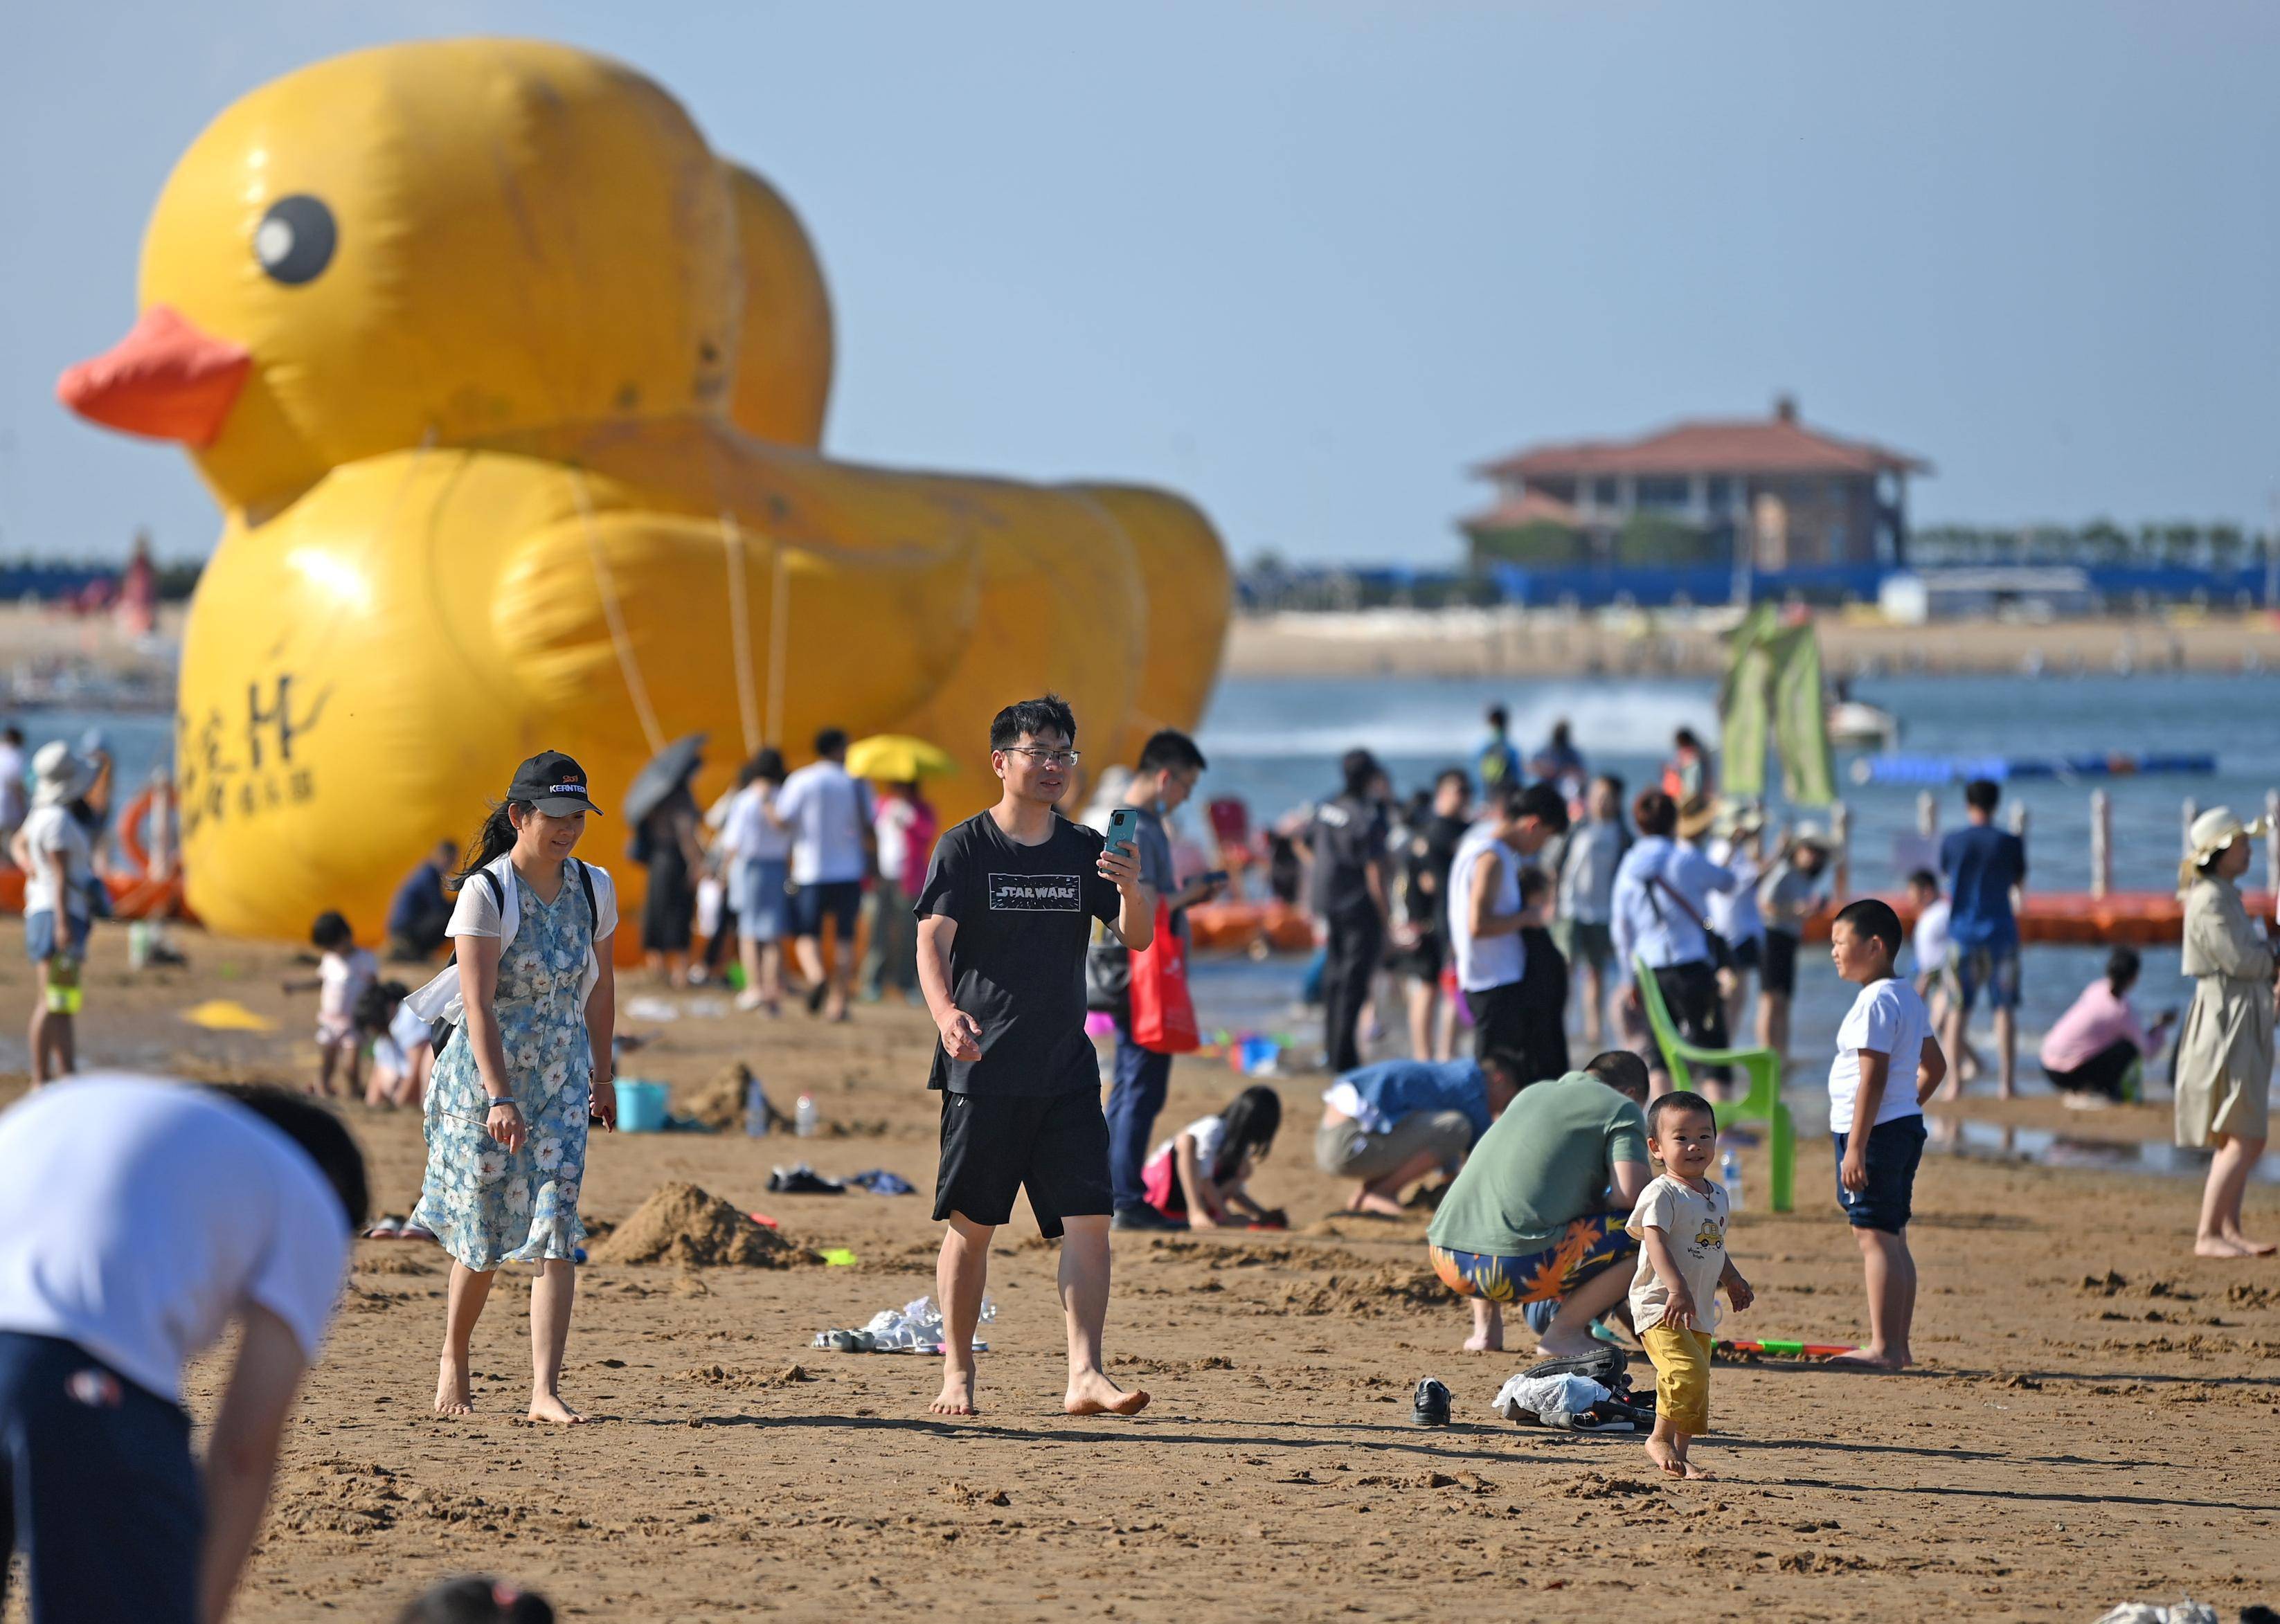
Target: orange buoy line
{"type": "Point", "coordinates": [2065, 919]}
{"type": "Point", "coordinates": [133, 896]}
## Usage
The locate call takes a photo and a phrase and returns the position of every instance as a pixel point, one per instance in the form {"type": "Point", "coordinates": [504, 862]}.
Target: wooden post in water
{"type": "Point", "coordinates": [2101, 844]}
{"type": "Point", "coordinates": [2186, 816]}
{"type": "Point", "coordinates": [1927, 814]}
{"type": "Point", "coordinates": [1840, 836]}
{"type": "Point", "coordinates": [2272, 841]}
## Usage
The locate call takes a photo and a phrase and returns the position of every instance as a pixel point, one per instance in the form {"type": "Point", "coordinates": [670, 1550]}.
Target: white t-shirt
{"type": "Point", "coordinates": [748, 833]}
{"type": "Point", "coordinates": [1209, 1133]}
{"type": "Point", "coordinates": [476, 914]}
{"type": "Point", "coordinates": [1929, 941]}
{"type": "Point", "coordinates": [342, 979]}
{"type": "Point", "coordinates": [829, 812]}
{"type": "Point", "coordinates": [1734, 914]}
{"type": "Point", "coordinates": [890, 826]}
{"type": "Point", "coordinates": [1694, 1222]}
{"type": "Point", "coordinates": [1492, 961]}
{"type": "Point", "coordinates": [1890, 1019]}
{"type": "Point", "coordinates": [406, 1032]}
{"type": "Point", "coordinates": [53, 829]}
{"type": "Point", "coordinates": [138, 1217]}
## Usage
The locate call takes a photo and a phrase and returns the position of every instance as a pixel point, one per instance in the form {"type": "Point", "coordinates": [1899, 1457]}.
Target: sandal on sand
{"type": "Point", "coordinates": [389, 1228]}
{"type": "Point", "coordinates": [414, 1231]}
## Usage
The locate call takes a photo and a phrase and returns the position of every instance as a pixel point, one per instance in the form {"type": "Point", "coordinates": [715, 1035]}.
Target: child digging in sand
{"type": "Point", "coordinates": [1680, 1224]}
{"type": "Point", "coordinates": [1887, 1065]}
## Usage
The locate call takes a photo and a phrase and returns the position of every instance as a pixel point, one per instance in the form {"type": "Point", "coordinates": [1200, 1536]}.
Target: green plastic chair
{"type": "Point", "coordinates": [1761, 1104]}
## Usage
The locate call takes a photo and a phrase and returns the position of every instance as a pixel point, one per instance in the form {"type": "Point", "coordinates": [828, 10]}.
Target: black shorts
{"type": "Point", "coordinates": [1420, 961]}
{"type": "Point", "coordinates": [1780, 972]}
{"type": "Point", "coordinates": [1054, 1145]}
{"type": "Point", "coordinates": [97, 1478]}
{"type": "Point", "coordinates": [1500, 1018]}
{"type": "Point", "coordinates": [836, 900]}
{"type": "Point", "coordinates": [1745, 954]}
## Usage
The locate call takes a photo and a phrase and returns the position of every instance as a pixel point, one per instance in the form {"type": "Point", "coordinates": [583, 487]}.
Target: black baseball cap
{"type": "Point", "coordinates": [553, 782]}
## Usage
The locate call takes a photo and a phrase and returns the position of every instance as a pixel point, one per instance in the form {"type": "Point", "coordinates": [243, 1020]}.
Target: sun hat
{"type": "Point", "coordinates": [1810, 834]}
{"type": "Point", "coordinates": [1694, 817]}
{"type": "Point", "coordinates": [2211, 833]}
{"type": "Point", "coordinates": [1735, 816]}
{"type": "Point", "coordinates": [60, 776]}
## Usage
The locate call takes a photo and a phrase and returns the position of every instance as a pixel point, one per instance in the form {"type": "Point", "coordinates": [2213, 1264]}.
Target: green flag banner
{"type": "Point", "coordinates": [1772, 695]}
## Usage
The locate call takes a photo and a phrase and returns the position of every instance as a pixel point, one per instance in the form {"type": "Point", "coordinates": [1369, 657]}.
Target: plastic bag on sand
{"type": "Point", "coordinates": [916, 1324]}
{"type": "Point", "coordinates": [2152, 1612]}
{"type": "Point", "coordinates": [1553, 1400]}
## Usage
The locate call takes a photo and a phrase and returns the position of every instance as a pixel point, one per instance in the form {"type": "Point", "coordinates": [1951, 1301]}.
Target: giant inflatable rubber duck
{"type": "Point", "coordinates": [511, 391]}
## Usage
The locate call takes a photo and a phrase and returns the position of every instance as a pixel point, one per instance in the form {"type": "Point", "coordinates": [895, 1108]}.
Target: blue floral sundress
{"type": "Point", "coordinates": [485, 1205]}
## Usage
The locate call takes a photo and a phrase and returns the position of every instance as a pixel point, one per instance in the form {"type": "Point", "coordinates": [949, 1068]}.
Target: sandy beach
{"type": "Point", "coordinates": [2086, 1425]}
{"type": "Point", "coordinates": [1511, 643]}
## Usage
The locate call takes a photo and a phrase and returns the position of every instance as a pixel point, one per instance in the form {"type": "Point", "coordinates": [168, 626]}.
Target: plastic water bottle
{"type": "Point", "coordinates": [805, 1117]}
{"type": "Point", "coordinates": [755, 1109]}
{"type": "Point", "coordinates": [1730, 1175]}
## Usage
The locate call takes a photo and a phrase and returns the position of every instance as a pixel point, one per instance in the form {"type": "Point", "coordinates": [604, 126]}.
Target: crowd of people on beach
{"type": "Point", "coordinates": [1585, 1197]}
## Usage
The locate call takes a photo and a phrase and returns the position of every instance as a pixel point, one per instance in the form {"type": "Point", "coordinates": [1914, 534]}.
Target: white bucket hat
{"type": "Point", "coordinates": [59, 777]}
{"type": "Point", "coordinates": [2211, 833]}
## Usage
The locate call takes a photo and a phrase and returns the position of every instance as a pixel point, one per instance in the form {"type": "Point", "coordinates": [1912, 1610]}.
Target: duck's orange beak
{"type": "Point", "coordinates": [165, 378]}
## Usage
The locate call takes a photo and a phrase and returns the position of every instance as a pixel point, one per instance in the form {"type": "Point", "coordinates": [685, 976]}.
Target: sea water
{"type": "Point", "coordinates": [1276, 743]}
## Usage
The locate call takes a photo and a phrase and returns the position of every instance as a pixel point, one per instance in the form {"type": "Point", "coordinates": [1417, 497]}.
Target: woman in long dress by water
{"type": "Point", "coordinates": [509, 1102]}
{"type": "Point", "coordinates": [2224, 1053]}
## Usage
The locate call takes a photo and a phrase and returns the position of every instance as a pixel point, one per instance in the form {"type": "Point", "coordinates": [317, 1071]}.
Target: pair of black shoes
{"type": "Point", "coordinates": [1145, 1218]}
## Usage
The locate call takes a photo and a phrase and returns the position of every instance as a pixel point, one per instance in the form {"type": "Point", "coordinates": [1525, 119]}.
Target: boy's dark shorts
{"type": "Point", "coordinates": [96, 1473]}
{"type": "Point", "coordinates": [1055, 1145]}
{"type": "Point", "coordinates": [1895, 1148]}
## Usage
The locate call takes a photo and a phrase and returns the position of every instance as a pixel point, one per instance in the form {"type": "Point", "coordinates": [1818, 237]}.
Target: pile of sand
{"type": "Point", "coordinates": [720, 1104]}
{"type": "Point", "coordinates": [682, 1224]}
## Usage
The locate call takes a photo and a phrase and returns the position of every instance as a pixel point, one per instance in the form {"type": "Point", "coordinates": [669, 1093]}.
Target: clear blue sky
{"type": "Point", "coordinates": [1307, 261]}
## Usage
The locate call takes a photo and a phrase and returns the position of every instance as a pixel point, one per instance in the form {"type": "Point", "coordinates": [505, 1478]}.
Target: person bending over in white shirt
{"type": "Point", "coordinates": [138, 1218]}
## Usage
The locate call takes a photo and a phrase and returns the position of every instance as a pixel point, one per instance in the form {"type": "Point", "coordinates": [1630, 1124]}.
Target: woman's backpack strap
{"type": "Point", "coordinates": [586, 884]}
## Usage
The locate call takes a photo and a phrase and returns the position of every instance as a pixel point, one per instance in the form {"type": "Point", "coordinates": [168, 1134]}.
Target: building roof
{"type": "Point", "coordinates": [1778, 444]}
{"type": "Point", "coordinates": [1531, 508]}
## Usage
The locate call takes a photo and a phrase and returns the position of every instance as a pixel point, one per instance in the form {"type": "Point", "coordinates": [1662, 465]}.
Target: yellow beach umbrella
{"type": "Point", "coordinates": [898, 759]}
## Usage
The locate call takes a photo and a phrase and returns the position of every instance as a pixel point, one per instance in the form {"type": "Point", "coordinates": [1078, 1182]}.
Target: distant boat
{"type": "Point", "coordinates": [1854, 725]}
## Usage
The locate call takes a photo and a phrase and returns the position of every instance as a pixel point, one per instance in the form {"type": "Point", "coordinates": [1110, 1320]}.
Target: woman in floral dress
{"type": "Point", "coordinates": [508, 1104]}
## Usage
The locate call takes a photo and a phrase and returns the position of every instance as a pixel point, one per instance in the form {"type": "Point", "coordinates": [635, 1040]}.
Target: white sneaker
{"type": "Point", "coordinates": [749, 999]}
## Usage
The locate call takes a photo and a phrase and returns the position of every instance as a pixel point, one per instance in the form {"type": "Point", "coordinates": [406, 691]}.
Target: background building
{"type": "Point", "coordinates": [1766, 495]}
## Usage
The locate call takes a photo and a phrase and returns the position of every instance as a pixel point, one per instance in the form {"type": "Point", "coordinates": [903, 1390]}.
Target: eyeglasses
{"type": "Point", "coordinates": [1044, 757]}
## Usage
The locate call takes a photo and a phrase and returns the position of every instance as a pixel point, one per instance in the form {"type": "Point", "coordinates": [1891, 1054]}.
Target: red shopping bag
{"type": "Point", "coordinates": [1163, 1015]}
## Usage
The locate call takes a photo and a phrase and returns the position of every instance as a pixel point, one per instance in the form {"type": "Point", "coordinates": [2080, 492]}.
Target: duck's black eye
{"type": "Point", "coordinates": [294, 240]}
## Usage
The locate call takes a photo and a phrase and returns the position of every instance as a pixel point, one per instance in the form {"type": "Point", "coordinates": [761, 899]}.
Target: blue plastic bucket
{"type": "Point", "coordinates": [641, 1106]}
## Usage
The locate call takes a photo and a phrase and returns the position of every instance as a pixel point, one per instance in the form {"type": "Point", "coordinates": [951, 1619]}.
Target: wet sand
{"type": "Point", "coordinates": [2091, 1422]}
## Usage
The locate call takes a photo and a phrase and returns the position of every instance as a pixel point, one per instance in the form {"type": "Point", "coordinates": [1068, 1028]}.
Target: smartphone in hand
{"type": "Point", "coordinates": [1123, 829]}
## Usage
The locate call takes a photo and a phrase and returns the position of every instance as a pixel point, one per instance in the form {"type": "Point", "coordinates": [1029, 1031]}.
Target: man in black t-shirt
{"type": "Point", "coordinates": [1004, 923]}
{"type": "Point", "coordinates": [1350, 902]}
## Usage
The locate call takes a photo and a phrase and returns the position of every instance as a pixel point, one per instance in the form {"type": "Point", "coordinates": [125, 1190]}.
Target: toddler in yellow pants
{"type": "Point", "coordinates": [1680, 1223]}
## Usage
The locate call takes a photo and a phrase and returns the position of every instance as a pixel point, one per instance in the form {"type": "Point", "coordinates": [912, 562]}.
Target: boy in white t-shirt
{"type": "Point", "coordinates": [1680, 1224]}
{"type": "Point", "coordinates": [139, 1218]}
{"type": "Point", "coordinates": [1887, 1065]}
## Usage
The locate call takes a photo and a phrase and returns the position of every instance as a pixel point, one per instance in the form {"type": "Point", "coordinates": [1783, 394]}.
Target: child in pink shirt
{"type": "Point", "coordinates": [2093, 1052]}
